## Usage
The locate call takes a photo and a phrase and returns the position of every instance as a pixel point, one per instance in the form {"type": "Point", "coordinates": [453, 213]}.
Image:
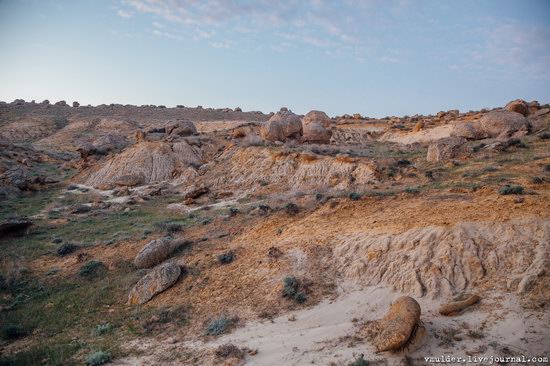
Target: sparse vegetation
{"type": "Point", "coordinates": [291, 290]}
{"type": "Point", "coordinates": [98, 358]}
{"type": "Point", "coordinates": [359, 361]}
{"type": "Point", "coordinates": [66, 249]}
{"type": "Point", "coordinates": [227, 257]}
{"type": "Point", "coordinates": [354, 196]}
{"type": "Point", "coordinates": [292, 209]}
{"type": "Point", "coordinates": [218, 326]}
{"type": "Point", "coordinates": [511, 189]}
{"type": "Point", "coordinates": [101, 329]}
{"type": "Point", "coordinates": [91, 269]}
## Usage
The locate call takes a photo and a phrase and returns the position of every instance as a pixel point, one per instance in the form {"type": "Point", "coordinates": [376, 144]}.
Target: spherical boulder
{"type": "Point", "coordinates": [316, 116]}
{"type": "Point", "coordinates": [281, 126]}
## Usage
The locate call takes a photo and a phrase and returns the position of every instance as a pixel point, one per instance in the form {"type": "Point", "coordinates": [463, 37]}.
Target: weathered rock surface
{"type": "Point", "coordinates": [502, 123]}
{"type": "Point", "coordinates": [281, 126]}
{"type": "Point", "coordinates": [156, 281]}
{"type": "Point", "coordinates": [468, 130]}
{"type": "Point", "coordinates": [395, 329]}
{"type": "Point", "coordinates": [314, 126]}
{"type": "Point", "coordinates": [444, 261]}
{"type": "Point", "coordinates": [456, 307]}
{"type": "Point", "coordinates": [444, 149]}
{"type": "Point", "coordinates": [155, 252]}
{"type": "Point", "coordinates": [519, 106]}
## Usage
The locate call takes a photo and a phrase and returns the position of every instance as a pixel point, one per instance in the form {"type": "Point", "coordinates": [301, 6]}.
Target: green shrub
{"type": "Point", "coordinates": [292, 209]}
{"type": "Point", "coordinates": [169, 227]}
{"type": "Point", "coordinates": [291, 287]}
{"type": "Point", "coordinates": [226, 258]}
{"type": "Point", "coordinates": [101, 329]}
{"type": "Point", "coordinates": [300, 297]}
{"type": "Point", "coordinates": [98, 358]}
{"type": "Point", "coordinates": [91, 269]}
{"type": "Point", "coordinates": [412, 190]}
{"type": "Point", "coordinates": [354, 196]}
{"type": "Point", "coordinates": [218, 326]}
{"type": "Point", "coordinates": [511, 189]}
{"type": "Point", "coordinates": [359, 361]}
{"type": "Point", "coordinates": [537, 180]}
{"type": "Point", "coordinates": [66, 249]}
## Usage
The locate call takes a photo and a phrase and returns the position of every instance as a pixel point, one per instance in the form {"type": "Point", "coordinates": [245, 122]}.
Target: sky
{"type": "Point", "coordinates": [374, 57]}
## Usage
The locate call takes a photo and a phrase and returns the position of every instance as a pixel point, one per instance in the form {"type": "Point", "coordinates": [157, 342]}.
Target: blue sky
{"type": "Point", "coordinates": [374, 57]}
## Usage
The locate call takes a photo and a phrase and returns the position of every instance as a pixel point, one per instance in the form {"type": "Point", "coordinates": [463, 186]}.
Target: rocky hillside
{"type": "Point", "coordinates": [153, 236]}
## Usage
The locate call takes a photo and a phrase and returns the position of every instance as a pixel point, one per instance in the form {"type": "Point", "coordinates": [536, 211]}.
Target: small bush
{"type": "Point", "coordinates": [359, 361]}
{"type": "Point", "coordinates": [169, 227]}
{"type": "Point", "coordinates": [226, 258]}
{"type": "Point", "coordinates": [175, 315]}
{"type": "Point", "coordinates": [218, 326]}
{"type": "Point", "coordinates": [478, 147]}
{"type": "Point", "coordinates": [102, 329]}
{"type": "Point", "coordinates": [300, 297]}
{"type": "Point", "coordinates": [12, 331]}
{"type": "Point", "coordinates": [292, 209]}
{"type": "Point", "coordinates": [91, 269]}
{"type": "Point", "coordinates": [544, 136]}
{"type": "Point", "coordinates": [229, 350]}
{"type": "Point", "coordinates": [291, 286]}
{"type": "Point", "coordinates": [537, 180]}
{"type": "Point", "coordinates": [403, 162]}
{"type": "Point", "coordinates": [66, 249]}
{"type": "Point", "coordinates": [354, 196]}
{"type": "Point", "coordinates": [412, 190]}
{"type": "Point", "coordinates": [233, 211]}
{"type": "Point", "coordinates": [98, 358]}
{"type": "Point", "coordinates": [547, 168]}
{"type": "Point", "coordinates": [511, 189]}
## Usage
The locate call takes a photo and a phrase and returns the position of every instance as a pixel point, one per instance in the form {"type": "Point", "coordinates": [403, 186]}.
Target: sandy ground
{"type": "Point", "coordinates": [328, 333]}
{"type": "Point", "coordinates": [423, 136]}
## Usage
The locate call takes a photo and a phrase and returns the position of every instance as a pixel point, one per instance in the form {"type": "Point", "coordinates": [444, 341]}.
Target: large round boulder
{"type": "Point", "coordinates": [316, 116]}
{"type": "Point", "coordinates": [519, 106]}
{"type": "Point", "coordinates": [281, 126]}
{"type": "Point", "coordinates": [314, 125]}
{"type": "Point", "coordinates": [503, 122]}
{"type": "Point", "coordinates": [156, 281]}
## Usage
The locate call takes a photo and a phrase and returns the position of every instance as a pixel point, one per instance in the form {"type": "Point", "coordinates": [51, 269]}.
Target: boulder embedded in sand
{"type": "Point", "coordinates": [155, 252]}
{"type": "Point", "coordinates": [444, 149]}
{"type": "Point", "coordinates": [456, 307]}
{"type": "Point", "coordinates": [156, 281]}
{"type": "Point", "coordinates": [396, 328]}
{"type": "Point", "coordinates": [281, 126]}
{"type": "Point", "coordinates": [503, 123]}
{"type": "Point", "coordinates": [519, 106]}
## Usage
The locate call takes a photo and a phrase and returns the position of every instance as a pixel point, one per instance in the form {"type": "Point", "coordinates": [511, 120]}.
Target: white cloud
{"type": "Point", "coordinates": [124, 13]}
